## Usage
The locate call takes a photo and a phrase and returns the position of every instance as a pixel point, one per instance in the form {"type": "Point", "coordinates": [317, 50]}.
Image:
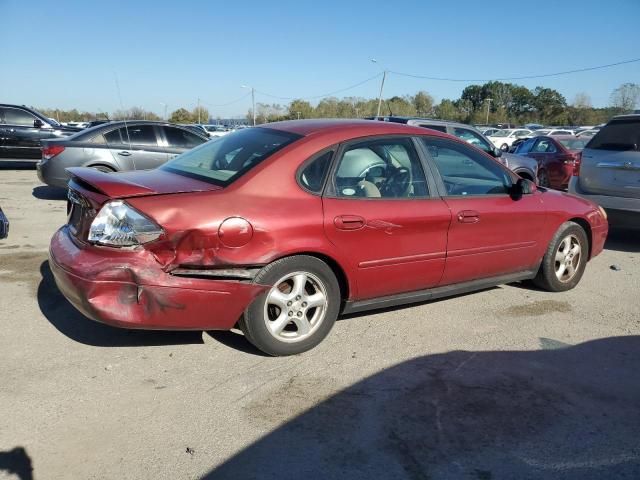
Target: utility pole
{"type": "Point", "coordinates": [199, 122]}
{"type": "Point", "coordinates": [165, 111]}
{"type": "Point", "coordinates": [489, 100]}
{"type": "Point", "coordinates": [298, 115]}
{"type": "Point", "coordinates": [384, 76]}
{"type": "Point", "coordinates": [253, 102]}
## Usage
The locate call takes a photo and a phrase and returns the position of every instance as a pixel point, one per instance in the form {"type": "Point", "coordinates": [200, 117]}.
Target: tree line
{"type": "Point", "coordinates": [493, 102]}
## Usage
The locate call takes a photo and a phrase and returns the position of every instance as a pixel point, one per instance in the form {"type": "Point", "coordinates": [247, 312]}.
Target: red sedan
{"type": "Point", "coordinates": [278, 229]}
{"type": "Point", "coordinates": [556, 156]}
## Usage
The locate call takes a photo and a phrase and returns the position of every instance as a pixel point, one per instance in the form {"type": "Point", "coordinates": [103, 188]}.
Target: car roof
{"type": "Point", "coordinates": [356, 126]}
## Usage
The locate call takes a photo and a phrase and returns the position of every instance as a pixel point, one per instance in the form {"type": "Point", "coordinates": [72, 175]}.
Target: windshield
{"type": "Point", "coordinates": [539, 133]}
{"type": "Point", "coordinates": [501, 133]}
{"type": "Point", "coordinates": [573, 143]}
{"type": "Point", "coordinates": [224, 160]}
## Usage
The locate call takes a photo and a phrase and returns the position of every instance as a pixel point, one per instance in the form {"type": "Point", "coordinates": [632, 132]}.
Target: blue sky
{"type": "Point", "coordinates": [66, 54]}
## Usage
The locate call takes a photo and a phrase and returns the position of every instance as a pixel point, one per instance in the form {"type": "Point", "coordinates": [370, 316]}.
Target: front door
{"type": "Point", "coordinates": [491, 233]}
{"type": "Point", "coordinates": [381, 213]}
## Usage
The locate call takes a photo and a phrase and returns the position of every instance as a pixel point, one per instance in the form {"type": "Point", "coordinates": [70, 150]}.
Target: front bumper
{"type": "Point", "coordinates": [127, 288]}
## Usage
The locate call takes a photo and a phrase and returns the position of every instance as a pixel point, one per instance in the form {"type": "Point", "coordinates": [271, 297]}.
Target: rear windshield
{"type": "Point", "coordinates": [224, 160]}
{"type": "Point", "coordinates": [619, 135]}
{"type": "Point", "coordinates": [573, 143]}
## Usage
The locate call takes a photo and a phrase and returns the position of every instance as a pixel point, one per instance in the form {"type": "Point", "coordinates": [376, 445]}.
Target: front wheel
{"type": "Point", "coordinates": [298, 310]}
{"type": "Point", "coordinates": [565, 259]}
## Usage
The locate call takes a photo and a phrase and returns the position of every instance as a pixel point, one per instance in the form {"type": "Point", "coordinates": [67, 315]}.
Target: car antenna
{"type": "Point", "coordinates": [126, 128]}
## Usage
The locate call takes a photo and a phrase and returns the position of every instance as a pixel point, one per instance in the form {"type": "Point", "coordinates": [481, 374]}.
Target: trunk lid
{"type": "Point", "coordinates": [137, 183]}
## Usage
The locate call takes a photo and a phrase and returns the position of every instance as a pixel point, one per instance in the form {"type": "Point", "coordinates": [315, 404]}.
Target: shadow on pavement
{"type": "Point", "coordinates": [563, 412]}
{"type": "Point", "coordinates": [623, 240]}
{"type": "Point", "coordinates": [76, 326]}
{"type": "Point", "coordinates": [17, 164]}
{"type": "Point", "coordinates": [44, 192]}
{"type": "Point", "coordinates": [16, 462]}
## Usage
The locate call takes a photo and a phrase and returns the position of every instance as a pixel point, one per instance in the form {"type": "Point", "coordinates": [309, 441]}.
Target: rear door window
{"type": "Point", "coordinates": [180, 138]}
{"type": "Point", "coordinates": [472, 138]}
{"type": "Point", "coordinates": [525, 147]}
{"type": "Point", "coordinates": [134, 135]}
{"type": "Point", "coordinates": [619, 135]}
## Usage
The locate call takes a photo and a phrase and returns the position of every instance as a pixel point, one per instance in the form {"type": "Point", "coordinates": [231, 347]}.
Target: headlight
{"type": "Point", "coordinates": [120, 225]}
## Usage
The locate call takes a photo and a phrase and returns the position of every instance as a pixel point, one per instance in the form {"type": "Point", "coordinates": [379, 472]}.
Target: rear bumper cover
{"type": "Point", "coordinates": [606, 201]}
{"type": "Point", "coordinates": [127, 288]}
{"type": "Point", "coordinates": [52, 173]}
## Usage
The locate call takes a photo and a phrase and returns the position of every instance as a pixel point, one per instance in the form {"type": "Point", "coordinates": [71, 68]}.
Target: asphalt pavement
{"type": "Point", "coordinates": [506, 383]}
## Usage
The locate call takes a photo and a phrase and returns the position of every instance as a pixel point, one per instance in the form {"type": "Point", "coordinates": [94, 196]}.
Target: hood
{"type": "Point", "coordinates": [137, 183]}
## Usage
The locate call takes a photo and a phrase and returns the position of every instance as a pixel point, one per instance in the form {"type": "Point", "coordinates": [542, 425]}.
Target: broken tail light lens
{"type": "Point", "coordinates": [120, 225]}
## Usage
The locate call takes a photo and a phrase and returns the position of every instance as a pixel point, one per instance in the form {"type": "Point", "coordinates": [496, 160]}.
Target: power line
{"type": "Point", "coordinates": [523, 77]}
{"type": "Point", "coordinates": [312, 97]}
{"type": "Point", "coordinates": [225, 104]}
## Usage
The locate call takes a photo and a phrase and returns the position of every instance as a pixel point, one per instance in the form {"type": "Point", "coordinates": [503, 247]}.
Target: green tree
{"type": "Point", "coordinates": [550, 105]}
{"type": "Point", "coordinates": [200, 115]}
{"type": "Point", "coordinates": [300, 109]}
{"type": "Point", "coordinates": [475, 95]}
{"type": "Point", "coordinates": [626, 97]}
{"type": "Point", "coordinates": [422, 103]}
{"type": "Point", "coordinates": [446, 110]}
{"type": "Point", "coordinates": [181, 115]}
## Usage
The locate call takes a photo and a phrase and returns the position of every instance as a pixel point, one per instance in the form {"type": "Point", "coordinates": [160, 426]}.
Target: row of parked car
{"type": "Point", "coordinates": [549, 156]}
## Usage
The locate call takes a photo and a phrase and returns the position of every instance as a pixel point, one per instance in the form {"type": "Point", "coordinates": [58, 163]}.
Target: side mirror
{"type": "Point", "coordinates": [522, 187]}
{"type": "Point", "coordinates": [37, 123]}
{"type": "Point", "coordinates": [497, 153]}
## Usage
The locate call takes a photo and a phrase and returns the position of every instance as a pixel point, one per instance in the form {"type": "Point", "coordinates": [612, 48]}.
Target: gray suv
{"type": "Point", "coordinates": [609, 173]}
{"type": "Point", "coordinates": [116, 146]}
{"type": "Point", "coordinates": [526, 167]}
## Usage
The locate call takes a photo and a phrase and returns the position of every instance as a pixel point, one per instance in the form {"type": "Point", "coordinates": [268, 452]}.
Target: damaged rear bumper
{"type": "Point", "coordinates": [128, 288]}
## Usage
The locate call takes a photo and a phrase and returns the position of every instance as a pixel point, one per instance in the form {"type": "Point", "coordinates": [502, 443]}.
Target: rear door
{"type": "Point", "coordinates": [491, 233]}
{"type": "Point", "coordinates": [136, 147]}
{"type": "Point", "coordinates": [178, 140]}
{"type": "Point", "coordinates": [381, 212]}
{"type": "Point", "coordinates": [611, 160]}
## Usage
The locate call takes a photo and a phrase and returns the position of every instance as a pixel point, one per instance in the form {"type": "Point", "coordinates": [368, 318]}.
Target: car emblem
{"type": "Point", "coordinates": [628, 165]}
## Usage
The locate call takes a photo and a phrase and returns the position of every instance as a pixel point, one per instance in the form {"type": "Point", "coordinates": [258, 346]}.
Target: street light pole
{"type": "Point", "coordinates": [165, 111]}
{"type": "Point", "coordinates": [384, 76]}
{"type": "Point", "coordinates": [199, 122]}
{"type": "Point", "coordinates": [488, 106]}
{"type": "Point", "coordinates": [253, 102]}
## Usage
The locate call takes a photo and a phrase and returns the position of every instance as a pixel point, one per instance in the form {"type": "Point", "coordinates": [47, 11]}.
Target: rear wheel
{"type": "Point", "coordinates": [299, 309]}
{"type": "Point", "coordinates": [543, 179]}
{"type": "Point", "coordinates": [565, 259]}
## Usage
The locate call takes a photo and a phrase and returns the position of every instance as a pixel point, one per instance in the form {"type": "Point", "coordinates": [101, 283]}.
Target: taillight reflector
{"type": "Point", "coordinates": [576, 164]}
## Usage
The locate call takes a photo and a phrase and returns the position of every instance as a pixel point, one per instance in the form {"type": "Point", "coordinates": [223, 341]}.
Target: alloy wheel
{"type": "Point", "coordinates": [295, 307]}
{"type": "Point", "coordinates": [568, 257]}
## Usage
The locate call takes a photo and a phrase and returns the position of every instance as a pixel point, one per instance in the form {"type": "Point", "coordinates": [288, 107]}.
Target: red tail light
{"type": "Point", "coordinates": [51, 151]}
{"type": "Point", "coordinates": [576, 164]}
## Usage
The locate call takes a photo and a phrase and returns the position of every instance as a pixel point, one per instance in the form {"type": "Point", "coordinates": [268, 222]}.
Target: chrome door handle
{"type": "Point", "coordinates": [124, 153]}
{"type": "Point", "coordinates": [468, 216]}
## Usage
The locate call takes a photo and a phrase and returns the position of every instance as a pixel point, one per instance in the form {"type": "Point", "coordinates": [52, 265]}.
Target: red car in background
{"type": "Point", "coordinates": [278, 229]}
{"type": "Point", "coordinates": [556, 156]}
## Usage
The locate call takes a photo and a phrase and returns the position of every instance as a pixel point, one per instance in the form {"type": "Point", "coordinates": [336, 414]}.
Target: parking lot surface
{"type": "Point", "coordinates": [510, 382]}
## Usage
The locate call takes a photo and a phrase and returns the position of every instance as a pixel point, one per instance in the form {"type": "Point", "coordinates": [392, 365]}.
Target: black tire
{"type": "Point", "coordinates": [254, 321]}
{"type": "Point", "coordinates": [547, 278]}
{"type": "Point", "coordinates": [543, 179]}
